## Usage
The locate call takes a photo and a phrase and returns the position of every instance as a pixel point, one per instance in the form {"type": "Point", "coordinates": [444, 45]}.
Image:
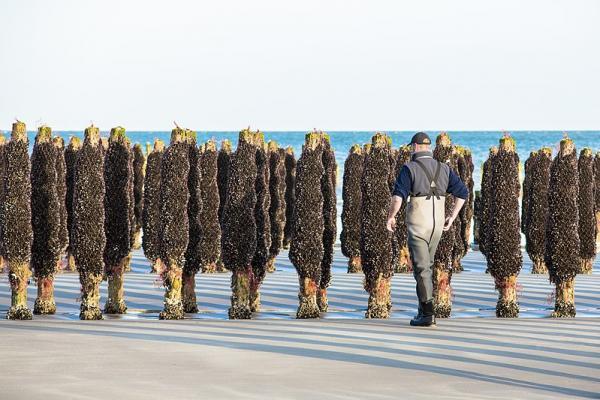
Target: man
{"type": "Point", "coordinates": [426, 181]}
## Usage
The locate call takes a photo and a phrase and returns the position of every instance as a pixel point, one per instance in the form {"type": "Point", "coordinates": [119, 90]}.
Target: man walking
{"type": "Point", "coordinates": [425, 182]}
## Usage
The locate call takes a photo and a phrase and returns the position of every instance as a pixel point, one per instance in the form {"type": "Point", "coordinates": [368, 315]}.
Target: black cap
{"type": "Point", "coordinates": [420, 138]}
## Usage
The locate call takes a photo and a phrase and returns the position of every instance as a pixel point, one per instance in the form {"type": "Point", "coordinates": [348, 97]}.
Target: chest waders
{"type": "Point", "coordinates": [425, 218]}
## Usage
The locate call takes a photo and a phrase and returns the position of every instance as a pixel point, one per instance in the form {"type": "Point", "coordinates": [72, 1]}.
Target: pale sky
{"type": "Point", "coordinates": [295, 65]}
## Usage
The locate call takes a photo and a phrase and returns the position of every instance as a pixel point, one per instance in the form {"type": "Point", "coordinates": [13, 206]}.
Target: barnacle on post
{"type": "Point", "coordinates": [403, 264]}
{"type": "Point", "coordinates": [71, 153]}
{"type": "Point", "coordinates": [209, 245]}
{"type": "Point", "coordinates": [562, 254]}
{"type": "Point", "coordinates": [194, 207]}
{"type": "Point", "coordinates": [504, 239]}
{"type": "Point", "coordinates": [306, 242]}
{"type": "Point", "coordinates": [45, 212]}
{"type": "Point", "coordinates": [290, 195]}
{"type": "Point", "coordinates": [536, 210]}
{"type": "Point", "coordinates": [443, 260]}
{"type": "Point", "coordinates": [61, 191]}
{"type": "Point", "coordinates": [174, 228]}
{"type": "Point", "coordinates": [351, 208]}
{"type": "Point", "coordinates": [277, 207]}
{"type": "Point", "coordinates": [138, 192]}
{"type": "Point", "coordinates": [117, 225]}
{"type": "Point", "coordinates": [238, 244]}
{"type": "Point", "coordinates": [87, 231]}
{"type": "Point", "coordinates": [587, 221]}
{"type": "Point", "coordinates": [151, 210]}
{"type": "Point", "coordinates": [328, 184]}
{"type": "Point", "coordinates": [375, 240]}
{"type": "Point", "coordinates": [17, 234]}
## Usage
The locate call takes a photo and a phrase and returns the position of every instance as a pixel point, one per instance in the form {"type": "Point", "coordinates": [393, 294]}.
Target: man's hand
{"type": "Point", "coordinates": [391, 224]}
{"type": "Point", "coordinates": [448, 224]}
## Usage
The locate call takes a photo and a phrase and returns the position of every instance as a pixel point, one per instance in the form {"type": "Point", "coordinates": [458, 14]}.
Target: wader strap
{"type": "Point", "coordinates": [433, 186]}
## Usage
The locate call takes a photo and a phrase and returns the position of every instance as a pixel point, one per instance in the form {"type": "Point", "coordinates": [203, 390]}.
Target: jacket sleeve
{"type": "Point", "coordinates": [403, 184]}
{"type": "Point", "coordinates": [456, 187]}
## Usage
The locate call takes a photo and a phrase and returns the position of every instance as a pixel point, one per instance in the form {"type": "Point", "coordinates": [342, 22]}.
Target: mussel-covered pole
{"type": "Point", "coordinates": [117, 228]}
{"type": "Point", "coordinates": [562, 229]}
{"type": "Point", "coordinates": [328, 184]}
{"type": "Point", "coordinates": [71, 153]}
{"type": "Point", "coordinates": [263, 222]}
{"type": "Point", "coordinates": [486, 196]}
{"type": "Point", "coordinates": [352, 208]}
{"type": "Point", "coordinates": [277, 207]}
{"type": "Point", "coordinates": [61, 191]}
{"type": "Point", "coordinates": [45, 221]}
{"type": "Point", "coordinates": [597, 194]}
{"type": "Point", "coordinates": [404, 264]}
{"type": "Point", "coordinates": [2, 176]}
{"type": "Point", "coordinates": [223, 173]}
{"type": "Point", "coordinates": [306, 242]}
{"type": "Point", "coordinates": [443, 261]}
{"type": "Point", "coordinates": [537, 215]}
{"type": "Point", "coordinates": [469, 212]}
{"type": "Point", "coordinates": [138, 192]}
{"type": "Point", "coordinates": [209, 246]}
{"type": "Point", "coordinates": [504, 239]}
{"type": "Point", "coordinates": [460, 245]}
{"type": "Point", "coordinates": [587, 220]}
{"type": "Point", "coordinates": [17, 234]}
{"type": "Point", "coordinates": [290, 195]}
{"type": "Point", "coordinates": [151, 211]}
{"type": "Point", "coordinates": [87, 231]}
{"type": "Point", "coordinates": [525, 193]}
{"type": "Point", "coordinates": [238, 243]}
{"type": "Point", "coordinates": [194, 207]}
{"type": "Point", "coordinates": [375, 240]}
{"type": "Point", "coordinates": [476, 217]}
{"type": "Point", "coordinates": [174, 227]}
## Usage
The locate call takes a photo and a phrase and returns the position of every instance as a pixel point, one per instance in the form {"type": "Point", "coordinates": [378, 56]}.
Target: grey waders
{"type": "Point", "coordinates": [425, 218]}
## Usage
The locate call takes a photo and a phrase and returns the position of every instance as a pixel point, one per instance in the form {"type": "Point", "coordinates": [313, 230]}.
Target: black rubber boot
{"type": "Point", "coordinates": [425, 317]}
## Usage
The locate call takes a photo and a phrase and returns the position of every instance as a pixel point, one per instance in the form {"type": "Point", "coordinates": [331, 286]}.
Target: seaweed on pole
{"type": "Point", "coordinates": [290, 195]}
{"type": "Point", "coordinates": [404, 264]}
{"type": "Point", "coordinates": [351, 208]}
{"type": "Point", "coordinates": [562, 254]}
{"type": "Point", "coordinates": [174, 227]}
{"type": "Point", "coordinates": [392, 157]}
{"type": "Point", "coordinates": [486, 196]}
{"type": "Point", "coordinates": [138, 192]}
{"type": "Point", "coordinates": [209, 245]}
{"type": "Point", "coordinates": [443, 260]}
{"type": "Point", "coordinates": [87, 231]}
{"type": "Point", "coordinates": [238, 243]}
{"type": "Point", "coordinates": [263, 223]}
{"type": "Point", "coordinates": [306, 241]}
{"type": "Point", "coordinates": [45, 220]}
{"type": "Point", "coordinates": [17, 234]}
{"type": "Point", "coordinates": [117, 203]}
{"type": "Point", "coordinates": [505, 259]}
{"type": "Point", "coordinates": [151, 218]}
{"type": "Point", "coordinates": [537, 214]}
{"type": "Point", "coordinates": [587, 220]}
{"type": "Point", "coordinates": [71, 153]}
{"type": "Point", "coordinates": [2, 176]}
{"type": "Point", "coordinates": [194, 207]}
{"type": "Point", "coordinates": [375, 240]}
{"type": "Point", "coordinates": [277, 207]}
{"type": "Point", "coordinates": [328, 184]}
